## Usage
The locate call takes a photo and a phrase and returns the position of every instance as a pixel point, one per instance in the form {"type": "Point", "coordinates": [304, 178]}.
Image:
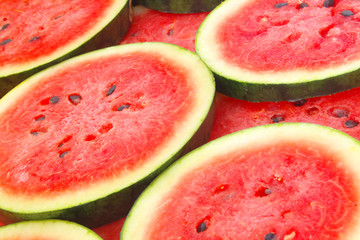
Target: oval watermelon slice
{"type": "Point", "coordinates": [339, 111]}
{"type": "Point", "coordinates": [280, 181]}
{"type": "Point", "coordinates": [81, 139]}
{"type": "Point", "coordinates": [37, 34]}
{"type": "Point", "coordinates": [274, 51]}
{"type": "Point", "coordinates": [45, 230]}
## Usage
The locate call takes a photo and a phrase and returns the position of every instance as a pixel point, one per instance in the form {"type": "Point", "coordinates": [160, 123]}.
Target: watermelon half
{"type": "Point", "coordinates": [37, 34]}
{"type": "Point", "coordinates": [47, 230]}
{"type": "Point", "coordinates": [273, 50]}
{"type": "Point", "coordinates": [279, 181]}
{"type": "Point", "coordinates": [180, 6]}
{"type": "Point", "coordinates": [81, 139]}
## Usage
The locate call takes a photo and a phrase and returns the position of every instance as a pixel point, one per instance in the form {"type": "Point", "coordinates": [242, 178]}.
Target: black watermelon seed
{"type": "Point", "coordinates": [202, 227]}
{"type": "Point", "coordinates": [34, 38]}
{"type": "Point", "coordinates": [299, 103]}
{"type": "Point", "coordinates": [40, 118]}
{"type": "Point", "coordinates": [4, 26]}
{"type": "Point", "coordinates": [277, 118]}
{"type": "Point", "coordinates": [280, 5]}
{"type": "Point", "coordinates": [111, 90]}
{"type": "Point", "coordinates": [339, 112]}
{"type": "Point", "coordinates": [75, 99]}
{"type": "Point", "coordinates": [64, 153]}
{"type": "Point", "coordinates": [6, 41]}
{"type": "Point", "coordinates": [170, 32]}
{"type": "Point", "coordinates": [351, 123]}
{"type": "Point", "coordinates": [57, 17]}
{"type": "Point", "coordinates": [54, 100]}
{"type": "Point", "coordinates": [328, 3]}
{"type": "Point", "coordinates": [303, 5]}
{"type": "Point", "coordinates": [122, 107]}
{"type": "Point", "coordinates": [347, 13]}
{"type": "Point", "coordinates": [270, 236]}
{"type": "Point", "coordinates": [35, 133]}
{"type": "Point", "coordinates": [267, 191]}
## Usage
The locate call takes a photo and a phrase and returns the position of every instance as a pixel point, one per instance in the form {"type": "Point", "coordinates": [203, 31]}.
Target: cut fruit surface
{"type": "Point", "coordinates": [273, 51]}
{"type": "Point", "coordinates": [36, 34]}
{"type": "Point", "coordinates": [81, 134]}
{"type": "Point", "coordinates": [285, 181]}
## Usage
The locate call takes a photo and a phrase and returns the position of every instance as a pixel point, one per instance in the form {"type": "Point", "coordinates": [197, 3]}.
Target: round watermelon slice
{"type": "Point", "coordinates": [339, 111]}
{"type": "Point", "coordinates": [37, 34]}
{"type": "Point", "coordinates": [45, 230]}
{"type": "Point", "coordinates": [279, 181]}
{"type": "Point", "coordinates": [154, 26]}
{"type": "Point", "coordinates": [81, 139]}
{"type": "Point", "coordinates": [282, 50]}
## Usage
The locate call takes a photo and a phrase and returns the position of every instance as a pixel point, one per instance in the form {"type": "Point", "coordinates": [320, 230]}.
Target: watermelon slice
{"type": "Point", "coordinates": [339, 111]}
{"type": "Point", "coordinates": [47, 230]}
{"type": "Point", "coordinates": [265, 50]}
{"type": "Point", "coordinates": [180, 6]}
{"type": "Point", "coordinates": [179, 29]}
{"type": "Point", "coordinates": [279, 181]}
{"type": "Point", "coordinates": [80, 140]}
{"type": "Point", "coordinates": [37, 34]}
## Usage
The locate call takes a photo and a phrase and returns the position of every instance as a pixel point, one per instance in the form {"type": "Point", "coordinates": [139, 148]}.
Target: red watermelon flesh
{"type": "Point", "coordinates": [258, 193]}
{"type": "Point", "coordinates": [339, 111]}
{"type": "Point", "coordinates": [30, 29]}
{"type": "Point", "coordinates": [110, 231]}
{"type": "Point", "coordinates": [268, 37]}
{"type": "Point", "coordinates": [61, 148]}
{"type": "Point", "coordinates": [153, 26]}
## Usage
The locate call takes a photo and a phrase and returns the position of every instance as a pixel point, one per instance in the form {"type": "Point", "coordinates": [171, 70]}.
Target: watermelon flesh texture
{"type": "Point", "coordinates": [339, 111]}
{"type": "Point", "coordinates": [154, 26]}
{"type": "Point", "coordinates": [259, 192]}
{"type": "Point", "coordinates": [126, 101]}
{"type": "Point", "coordinates": [110, 231]}
{"type": "Point", "coordinates": [318, 36]}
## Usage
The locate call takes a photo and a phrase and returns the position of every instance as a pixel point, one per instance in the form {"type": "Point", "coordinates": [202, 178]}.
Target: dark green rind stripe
{"type": "Point", "coordinates": [180, 6]}
{"type": "Point", "coordinates": [264, 92]}
{"type": "Point", "coordinates": [110, 35]}
{"type": "Point", "coordinates": [116, 205]}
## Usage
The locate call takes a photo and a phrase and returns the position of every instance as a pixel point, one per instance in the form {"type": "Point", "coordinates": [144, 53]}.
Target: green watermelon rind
{"type": "Point", "coordinates": [52, 228]}
{"type": "Point", "coordinates": [339, 143]}
{"type": "Point", "coordinates": [109, 33]}
{"type": "Point", "coordinates": [93, 211]}
{"type": "Point", "coordinates": [269, 86]}
{"type": "Point", "coordinates": [180, 6]}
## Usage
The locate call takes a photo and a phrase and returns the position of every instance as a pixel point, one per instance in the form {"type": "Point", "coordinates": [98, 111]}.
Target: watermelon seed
{"type": "Point", "coordinates": [338, 112]}
{"type": "Point", "coordinates": [170, 32]}
{"type": "Point", "coordinates": [351, 123]}
{"type": "Point", "coordinates": [6, 41]}
{"type": "Point", "coordinates": [312, 111]}
{"type": "Point", "coordinates": [75, 99]}
{"type": "Point", "coordinates": [277, 118]}
{"type": "Point", "coordinates": [267, 191]}
{"type": "Point", "coordinates": [62, 155]}
{"type": "Point", "coordinates": [4, 27]}
{"type": "Point", "coordinates": [262, 192]}
{"type": "Point", "coordinates": [35, 133]}
{"type": "Point", "coordinates": [328, 3]}
{"type": "Point", "coordinates": [57, 17]}
{"type": "Point", "coordinates": [54, 100]}
{"type": "Point", "coordinates": [38, 131]}
{"type": "Point", "coordinates": [34, 38]}
{"type": "Point", "coordinates": [280, 5]}
{"type": "Point", "coordinates": [122, 107]}
{"type": "Point", "coordinates": [303, 5]}
{"type": "Point", "coordinates": [40, 118]}
{"type": "Point", "coordinates": [201, 227]}
{"type": "Point", "coordinates": [299, 103]}
{"type": "Point", "coordinates": [111, 90]}
{"type": "Point", "coordinates": [347, 13]}
{"type": "Point", "coordinates": [66, 139]}
{"type": "Point", "coordinates": [270, 236]}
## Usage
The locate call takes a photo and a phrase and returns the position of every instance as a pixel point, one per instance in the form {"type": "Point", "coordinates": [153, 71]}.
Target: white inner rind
{"type": "Point", "coordinates": [338, 144]}
{"type": "Point", "coordinates": [203, 88]}
{"type": "Point", "coordinates": [208, 48]}
{"type": "Point", "coordinates": [47, 229]}
{"type": "Point", "coordinates": [111, 12]}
